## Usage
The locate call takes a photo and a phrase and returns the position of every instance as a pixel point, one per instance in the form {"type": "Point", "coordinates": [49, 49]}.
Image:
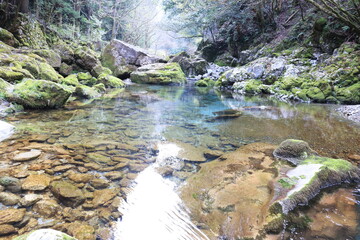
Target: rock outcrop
{"type": "Point", "coordinates": [123, 58]}
{"type": "Point", "coordinates": [159, 73]}
{"type": "Point", "coordinates": [301, 74]}
{"type": "Point", "coordinates": [191, 65]}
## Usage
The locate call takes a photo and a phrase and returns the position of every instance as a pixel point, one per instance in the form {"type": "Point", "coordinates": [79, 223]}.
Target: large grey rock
{"type": "Point", "coordinates": [11, 184]}
{"type": "Point", "coordinates": [262, 69]}
{"type": "Point", "coordinates": [120, 56]}
{"type": "Point", "coordinates": [191, 65]}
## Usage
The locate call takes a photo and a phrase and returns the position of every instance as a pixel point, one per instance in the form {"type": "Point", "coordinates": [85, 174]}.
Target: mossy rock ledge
{"type": "Point", "coordinates": [311, 174]}
{"type": "Point", "coordinates": [159, 73]}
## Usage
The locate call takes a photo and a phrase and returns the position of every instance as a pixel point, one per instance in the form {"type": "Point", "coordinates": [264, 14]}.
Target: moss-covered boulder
{"type": "Point", "coordinates": [206, 82]}
{"type": "Point", "coordinates": [110, 81]}
{"type": "Point", "coordinates": [122, 57]}
{"type": "Point", "coordinates": [191, 65]}
{"type": "Point", "coordinates": [39, 94]}
{"type": "Point", "coordinates": [87, 92]}
{"type": "Point", "coordinates": [99, 69]}
{"type": "Point", "coordinates": [159, 73]}
{"type": "Point", "coordinates": [8, 38]}
{"type": "Point", "coordinates": [71, 80]}
{"type": "Point", "coordinates": [86, 58]}
{"type": "Point", "coordinates": [5, 88]}
{"type": "Point", "coordinates": [36, 66]}
{"type": "Point", "coordinates": [52, 58]}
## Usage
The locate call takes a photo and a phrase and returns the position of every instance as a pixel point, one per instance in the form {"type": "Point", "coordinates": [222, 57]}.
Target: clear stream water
{"type": "Point", "coordinates": [146, 116]}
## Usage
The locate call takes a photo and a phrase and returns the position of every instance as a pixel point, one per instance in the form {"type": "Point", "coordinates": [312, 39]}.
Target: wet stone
{"type": "Point", "coordinates": [9, 199]}
{"type": "Point", "coordinates": [36, 182]}
{"type": "Point", "coordinates": [11, 184]}
{"type": "Point", "coordinates": [30, 199]}
{"type": "Point", "coordinates": [114, 175]}
{"type": "Point", "coordinates": [27, 156]}
{"type": "Point", "coordinates": [80, 178]}
{"type": "Point", "coordinates": [12, 215]}
{"type": "Point", "coordinates": [99, 183]}
{"type": "Point", "coordinates": [102, 197]}
{"type": "Point", "coordinates": [6, 229]}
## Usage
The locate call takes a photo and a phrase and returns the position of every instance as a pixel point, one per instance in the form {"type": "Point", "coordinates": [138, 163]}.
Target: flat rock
{"type": "Point", "coordinates": [36, 182]}
{"type": "Point", "coordinates": [101, 197]}
{"type": "Point", "coordinates": [12, 215]}
{"type": "Point", "coordinates": [47, 208]}
{"type": "Point", "coordinates": [67, 193]}
{"type": "Point", "coordinates": [27, 156]}
{"type": "Point", "coordinates": [30, 199]}
{"type": "Point", "coordinates": [6, 229]}
{"type": "Point", "coordinates": [99, 183]}
{"type": "Point", "coordinates": [11, 184]}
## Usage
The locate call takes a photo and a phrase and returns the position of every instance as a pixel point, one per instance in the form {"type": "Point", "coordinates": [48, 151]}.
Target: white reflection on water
{"type": "Point", "coordinates": [6, 130]}
{"type": "Point", "coordinates": [153, 210]}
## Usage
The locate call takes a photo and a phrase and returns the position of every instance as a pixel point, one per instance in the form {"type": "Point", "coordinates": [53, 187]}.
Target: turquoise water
{"type": "Point", "coordinates": [142, 116]}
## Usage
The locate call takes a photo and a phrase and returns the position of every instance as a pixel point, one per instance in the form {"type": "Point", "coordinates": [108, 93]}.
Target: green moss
{"type": "Point", "coordinates": [288, 182]}
{"type": "Point", "coordinates": [84, 76]}
{"type": "Point", "coordinates": [111, 81]}
{"type": "Point", "coordinates": [163, 74]}
{"type": "Point", "coordinates": [330, 163]}
{"type": "Point", "coordinates": [39, 94]}
{"type": "Point", "coordinates": [47, 72]}
{"type": "Point", "coordinates": [206, 82]}
{"type": "Point", "coordinates": [71, 80]}
{"type": "Point", "coordinates": [10, 75]}
{"type": "Point", "coordinates": [315, 94]}
{"type": "Point", "coordinates": [349, 95]}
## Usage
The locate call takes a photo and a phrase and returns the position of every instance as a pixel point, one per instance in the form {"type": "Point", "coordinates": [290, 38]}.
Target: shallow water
{"type": "Point", "coordinates": [144, 116]}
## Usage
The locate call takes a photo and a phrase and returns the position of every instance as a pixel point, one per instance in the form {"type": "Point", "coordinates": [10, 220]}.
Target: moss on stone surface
{"type": "Point", "coordinates": [159, 73]}
{"type": "Point", "coordinates": [71, 80]}
{"type": "Point", "coordinates": [39, 94]}
{"type": "Point", "coordinates": [10, 75]}
{"type": "Point", "coordinates": [206, 82]}
{"type": "Point", "coordinates": [111, 81]}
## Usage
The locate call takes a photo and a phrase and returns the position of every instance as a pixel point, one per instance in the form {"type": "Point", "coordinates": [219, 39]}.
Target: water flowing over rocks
{"type": "Point", "coordinates": [6, 130]}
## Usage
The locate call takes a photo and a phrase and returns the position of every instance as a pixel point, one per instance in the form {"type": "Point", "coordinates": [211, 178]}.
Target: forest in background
{"type": "Point", "coordinates": [234, 25]}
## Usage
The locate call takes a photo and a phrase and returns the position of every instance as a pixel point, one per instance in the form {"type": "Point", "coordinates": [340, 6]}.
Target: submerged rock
{"type": "Point", "coordinates": [159, 73]}
{"type": "Point", "coordinates": [39, 94]}
{"type": "Point", "coordinates": [230, 195]}
{"type": "Point", "coordinates": [67, 193]}
{"type": "Point", "coordinates": [27, 156]}
{"type": "Point", "coordinates": [48, 234]}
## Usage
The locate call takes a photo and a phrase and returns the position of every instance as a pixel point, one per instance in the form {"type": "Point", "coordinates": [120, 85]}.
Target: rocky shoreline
{"type": "Point", "coordinates": [351, 112]}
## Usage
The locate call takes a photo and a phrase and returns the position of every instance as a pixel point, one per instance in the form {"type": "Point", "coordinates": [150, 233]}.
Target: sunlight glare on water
{"type": "Point", "coordinates": [153, 210]}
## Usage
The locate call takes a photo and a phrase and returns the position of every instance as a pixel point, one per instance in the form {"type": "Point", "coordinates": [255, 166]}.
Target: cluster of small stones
{"type": "Point", "coordinates": [72, 188]}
